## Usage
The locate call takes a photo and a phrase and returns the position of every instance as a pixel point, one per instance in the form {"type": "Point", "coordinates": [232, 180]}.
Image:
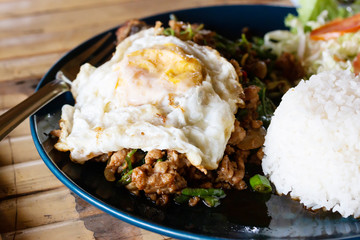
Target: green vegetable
{"type": "Point", "coordinates": [126, 173]}
{"type": "Point", "coordinates": [267, 107]}
{"type": "Point", "coordinates": [188, 31]}
{"type": "Point", "coordinates": [310, 9]}
{"type": "Point", "coordinates": [211, 196]}
{"type": "Point", "coordinates": [261, 53]}
{"type": "Point", "coordinates": [181, 199]}
{"type": "Point", "coordinates": [169, 32]}
{"type": "Point", "coordinates": [126, 178]}
{"type": "Point", "coordinates": [260, 184]}
{"type": "Point", "coordinates": [224, 45]}
{"type": "Point", "coordinates": [128, 158]}
{"type": "Point", "coordinates": [203, 192]}
{"type": "Point", "coordinates": [211, 201]}
{"type": "Point", "coordinates": [244, 40]}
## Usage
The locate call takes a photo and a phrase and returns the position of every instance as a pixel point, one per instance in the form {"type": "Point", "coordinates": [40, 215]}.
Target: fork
{"type": "Point", "coordinates": [95, 54]}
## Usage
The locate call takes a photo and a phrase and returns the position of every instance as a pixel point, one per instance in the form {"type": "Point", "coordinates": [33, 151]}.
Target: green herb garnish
{"type": "Point", "coordinates": [128, 158]}
{"type": "Point", "coordinates": [126, 178]}
{"type": "Point", "coordinates": [203, 192]}
{"type": "Point", "coordinates": [211, 196]}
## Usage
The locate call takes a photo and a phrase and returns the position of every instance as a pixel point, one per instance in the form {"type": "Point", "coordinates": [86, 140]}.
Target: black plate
{"type": "Point", "coordinates": [242, 214]}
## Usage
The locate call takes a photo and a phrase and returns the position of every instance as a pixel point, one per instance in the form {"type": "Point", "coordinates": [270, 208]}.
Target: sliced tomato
{"type": "Point", "coordinates": [356, 64]}
{"type": "Point", "coordinates": [336, 28]}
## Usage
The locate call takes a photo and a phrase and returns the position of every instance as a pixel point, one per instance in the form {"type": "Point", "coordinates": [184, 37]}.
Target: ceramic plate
{"type": "Point", "coordinates": [242, 214]}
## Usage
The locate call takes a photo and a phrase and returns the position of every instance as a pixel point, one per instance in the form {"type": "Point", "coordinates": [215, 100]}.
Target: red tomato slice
{"type": "Point", "coordinates": [336, 28]}
{"type": "Point", "coordinates": [356, 64]}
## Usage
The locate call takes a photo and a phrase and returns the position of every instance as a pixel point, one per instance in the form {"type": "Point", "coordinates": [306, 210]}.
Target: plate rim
{"type": "Point", "coordinates": [72, 186]}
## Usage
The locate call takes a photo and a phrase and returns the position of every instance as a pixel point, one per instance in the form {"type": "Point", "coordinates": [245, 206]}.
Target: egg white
{"type": "Point", "coordinates": [197, 122]}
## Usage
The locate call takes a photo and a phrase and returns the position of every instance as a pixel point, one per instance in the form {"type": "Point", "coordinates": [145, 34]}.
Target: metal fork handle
{"type": "Point", "coordinates": [13, 117]}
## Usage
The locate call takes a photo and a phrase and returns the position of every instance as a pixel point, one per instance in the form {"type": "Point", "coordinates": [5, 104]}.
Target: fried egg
{"type": "Point", "coordinates": [156, 92]}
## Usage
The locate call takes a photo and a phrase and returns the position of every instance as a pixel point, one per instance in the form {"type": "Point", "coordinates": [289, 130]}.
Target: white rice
{"type": "Point", "coordinates": [312, 147]}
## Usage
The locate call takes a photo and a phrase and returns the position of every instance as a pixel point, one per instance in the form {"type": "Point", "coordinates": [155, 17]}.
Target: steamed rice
{"type": "Point", "coordinates": [312, 147]}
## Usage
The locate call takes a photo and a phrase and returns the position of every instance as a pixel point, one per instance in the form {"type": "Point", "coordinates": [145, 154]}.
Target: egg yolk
{"type": "Point", "coordinates": [149, 75]}
{"type": "Point", "coordinates": [168, 63]}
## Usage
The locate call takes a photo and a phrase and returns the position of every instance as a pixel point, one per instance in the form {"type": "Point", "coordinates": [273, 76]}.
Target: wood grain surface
{"type": "Point", "coordinates": [34, 34]}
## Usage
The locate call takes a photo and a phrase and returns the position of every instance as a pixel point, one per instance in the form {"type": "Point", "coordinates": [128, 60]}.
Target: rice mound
{"type": "Point", "coordinates": [312, 147]}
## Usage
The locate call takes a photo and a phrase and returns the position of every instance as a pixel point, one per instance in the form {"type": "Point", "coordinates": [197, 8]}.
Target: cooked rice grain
{"type": "Point", "coordinates": [312, 147]}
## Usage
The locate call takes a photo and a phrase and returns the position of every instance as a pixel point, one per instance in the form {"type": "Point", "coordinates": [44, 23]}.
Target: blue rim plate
{"type": "Point", "coordinates": [242, 214]}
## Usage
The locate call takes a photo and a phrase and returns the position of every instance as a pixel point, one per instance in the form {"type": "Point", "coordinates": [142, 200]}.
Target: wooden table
{"type": "Point", "coordinates": [34, 34]}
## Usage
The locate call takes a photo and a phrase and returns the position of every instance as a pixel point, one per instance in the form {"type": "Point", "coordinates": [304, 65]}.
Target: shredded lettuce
{"type": "Point", "coordinates": [310, 9]}
{"type": "Point", "coordinates": [311, 12]}
{"type": "Point", "coordinates": [317, 56]}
